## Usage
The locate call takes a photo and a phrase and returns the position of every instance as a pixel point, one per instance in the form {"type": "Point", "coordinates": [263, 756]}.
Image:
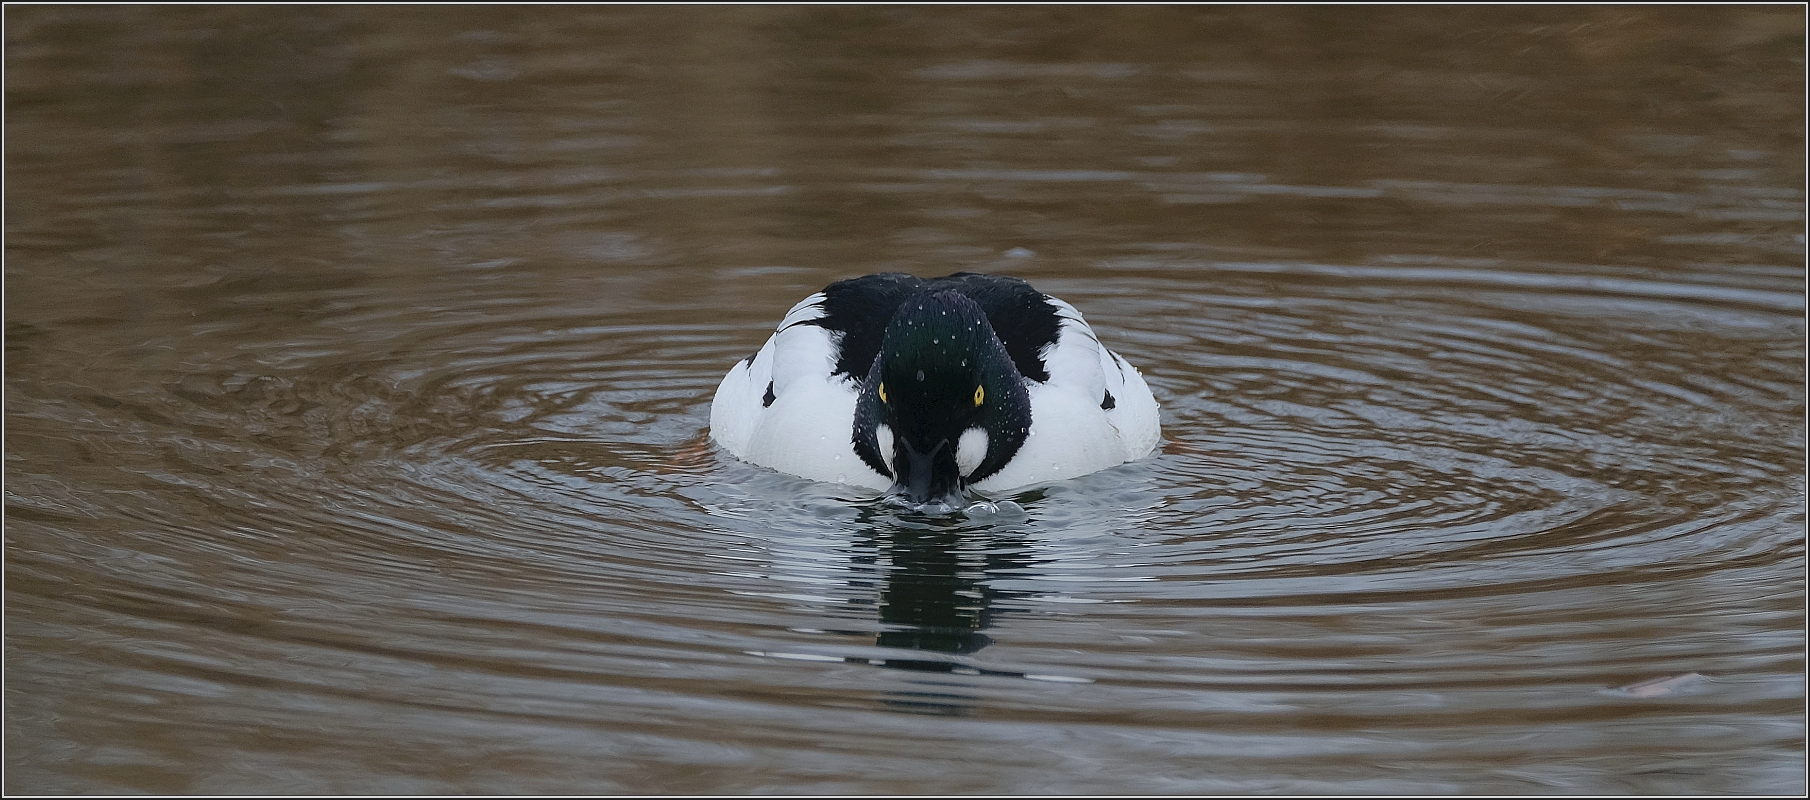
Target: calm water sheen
{"type": "Point", "coordinates": [359, 360]}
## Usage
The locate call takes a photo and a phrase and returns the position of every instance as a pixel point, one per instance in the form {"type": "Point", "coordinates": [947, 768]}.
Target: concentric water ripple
{"type": "Point", "coordinates": [1383, 502]}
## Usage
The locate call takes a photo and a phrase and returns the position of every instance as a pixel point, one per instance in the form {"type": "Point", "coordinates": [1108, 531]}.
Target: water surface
{"type": "Point", "coordinates": [359, 360]}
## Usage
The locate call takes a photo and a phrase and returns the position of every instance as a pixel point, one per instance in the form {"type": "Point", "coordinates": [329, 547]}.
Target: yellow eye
{"type": "Point", "coordinates": [882, 392]}
{"type": "Point", "coordinates": [980, 393]}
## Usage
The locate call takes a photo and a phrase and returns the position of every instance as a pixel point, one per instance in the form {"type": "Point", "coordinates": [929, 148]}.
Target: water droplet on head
{"type": "Point", "coordinates": [920, 374]}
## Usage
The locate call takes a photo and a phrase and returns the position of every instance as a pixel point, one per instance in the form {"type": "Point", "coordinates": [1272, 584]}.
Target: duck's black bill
{"type": "Point", "coordinates": [927, 477]}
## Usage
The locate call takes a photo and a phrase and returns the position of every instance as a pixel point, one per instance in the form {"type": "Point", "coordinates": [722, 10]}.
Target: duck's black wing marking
{"type": "Point", "coordinates": [858, 309]}
{"type": "Point", "coordinates": [1023, 318]}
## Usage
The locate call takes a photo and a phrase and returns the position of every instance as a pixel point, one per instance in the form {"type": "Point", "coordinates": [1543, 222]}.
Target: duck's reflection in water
{"type": "Point", "coordinates": [936, 592]}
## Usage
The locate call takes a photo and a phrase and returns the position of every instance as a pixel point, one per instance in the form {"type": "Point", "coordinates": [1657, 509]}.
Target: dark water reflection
{"type": "Point", "coordinates": [358, 361]}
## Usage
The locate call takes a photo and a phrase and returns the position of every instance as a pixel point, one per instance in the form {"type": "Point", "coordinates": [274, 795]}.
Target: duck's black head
{"type": "Point", "coordinates": [943, 405]}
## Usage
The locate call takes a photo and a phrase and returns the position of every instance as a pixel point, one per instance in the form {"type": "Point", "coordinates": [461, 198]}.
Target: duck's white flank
{"type": "Point", "coordinates": [807, 431]}
{"type": "Point", "coordinates": [1071, 435]}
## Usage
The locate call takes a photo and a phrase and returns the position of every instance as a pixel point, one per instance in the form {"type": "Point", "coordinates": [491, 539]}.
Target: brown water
{"type": "Point", "coordinates": [359, 359]}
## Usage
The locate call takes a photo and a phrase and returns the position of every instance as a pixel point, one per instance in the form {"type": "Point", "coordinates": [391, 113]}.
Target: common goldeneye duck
{"type": "Point", "coordinates": [924, 389]}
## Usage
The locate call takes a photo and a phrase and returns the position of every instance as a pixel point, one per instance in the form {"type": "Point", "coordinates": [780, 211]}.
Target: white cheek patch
{"type": "Point", "coordinates": [883, 438]}
{"type": "Point", "coordinates": [970, 450]}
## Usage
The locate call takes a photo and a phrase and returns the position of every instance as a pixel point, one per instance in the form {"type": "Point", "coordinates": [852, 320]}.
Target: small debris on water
{"type": "Point", "coordinates": [1661, 687]}
{"type": "Point", "coordinates": [988, 508]}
